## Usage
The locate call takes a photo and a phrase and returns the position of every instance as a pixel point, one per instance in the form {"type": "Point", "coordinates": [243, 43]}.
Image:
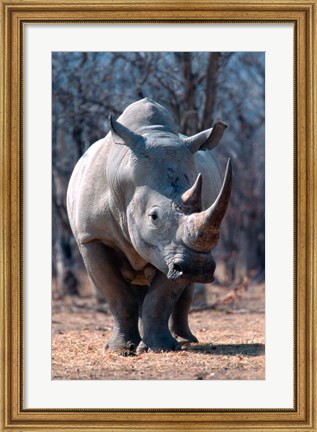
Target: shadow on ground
{"type": "Point", "coordinates": [248, 350]}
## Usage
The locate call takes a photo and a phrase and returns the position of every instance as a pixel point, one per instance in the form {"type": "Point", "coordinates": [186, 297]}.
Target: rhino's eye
{"type": "Point", "coordinates": [154, 217]}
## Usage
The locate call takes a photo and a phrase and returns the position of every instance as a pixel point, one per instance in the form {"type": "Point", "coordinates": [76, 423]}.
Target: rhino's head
{"type": "Point", "coordinates": [166, 221]}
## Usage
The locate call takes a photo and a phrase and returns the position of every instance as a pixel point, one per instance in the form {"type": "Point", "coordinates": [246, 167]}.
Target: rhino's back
{"type": "Point", "coordinates": [147, 114]}
{"type": "Point", "coordinates": [87, 190]}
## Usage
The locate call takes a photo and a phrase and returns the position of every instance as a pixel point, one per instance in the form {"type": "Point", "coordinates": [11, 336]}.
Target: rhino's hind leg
{"type": "Point", "coordinates": [140, 291]}
{"type": "Point", "coordinates": [157, 307]}
{"type": "Point", "coordinates": [102, 268]}
{"type": "Point", "coordinates": [179, 318]}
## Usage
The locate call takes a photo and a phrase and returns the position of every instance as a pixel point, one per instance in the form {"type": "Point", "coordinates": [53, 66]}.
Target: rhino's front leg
{"type": "Point", "coordinates": [101, 265]}
{"type": "Point", "coordinates": [179, 318]}
{"type": "Point", "coordinates": [157, 307]}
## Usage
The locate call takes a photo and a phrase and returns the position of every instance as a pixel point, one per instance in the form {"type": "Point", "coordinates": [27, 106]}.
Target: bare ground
{"type": "Point", "coordinates": [231, 333]}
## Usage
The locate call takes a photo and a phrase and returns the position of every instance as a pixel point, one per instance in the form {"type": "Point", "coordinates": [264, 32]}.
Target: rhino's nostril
{"type": "Point", "coordinates": [175, 272]}
{"type": "Point", "coordinates": [177, 268]}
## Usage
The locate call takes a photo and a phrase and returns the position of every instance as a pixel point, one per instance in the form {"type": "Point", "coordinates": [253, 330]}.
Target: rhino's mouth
{"type": "Point", "coordinates": [191, 271]}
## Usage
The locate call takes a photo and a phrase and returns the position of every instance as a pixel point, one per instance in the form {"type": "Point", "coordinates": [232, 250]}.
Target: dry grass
{"type": "Point", "coordinates": [231, 343]}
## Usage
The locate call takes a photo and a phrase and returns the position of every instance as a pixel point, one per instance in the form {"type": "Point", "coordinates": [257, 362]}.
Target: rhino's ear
{"type": "Point", "coordinates": [125, 136]}
{"type": "Point", "coordinates": [208, 139]}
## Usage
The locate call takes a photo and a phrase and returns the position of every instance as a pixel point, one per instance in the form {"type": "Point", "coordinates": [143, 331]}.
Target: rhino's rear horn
{"type": "Point", "coordinates": [191, 199]}
{"type": "Point", "coordinates": [125, 136]}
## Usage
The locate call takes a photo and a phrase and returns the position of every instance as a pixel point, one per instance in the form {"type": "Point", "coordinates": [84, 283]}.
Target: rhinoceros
{"type": "Point", "coordinates": [145, 205]}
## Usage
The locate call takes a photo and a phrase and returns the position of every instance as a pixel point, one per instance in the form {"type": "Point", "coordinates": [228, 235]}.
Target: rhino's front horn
{"type": "Point", "coordinates": [201, 230]}
{"type": "Point", "coordinates": [125, 136]}
{"type": "Point", "coordinates": [191, 199]}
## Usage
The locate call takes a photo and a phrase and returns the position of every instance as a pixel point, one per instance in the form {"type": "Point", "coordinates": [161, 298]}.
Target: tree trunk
{"type": "Point", "coordinates": [211, 89]}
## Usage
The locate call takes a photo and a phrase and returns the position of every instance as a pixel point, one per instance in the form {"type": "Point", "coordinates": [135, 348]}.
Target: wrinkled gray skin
{"type": "Point", "coordinates": [140, 225]}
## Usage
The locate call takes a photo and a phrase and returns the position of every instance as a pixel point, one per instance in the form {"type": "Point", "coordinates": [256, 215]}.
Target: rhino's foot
{"type": "Point", "coordinates": [180, 329]}
{"type": "Point", "coordinates": [159, 343]}
{"type": "Point", "coordinates": [123, 345]}
{"type": "Point", "coordinates": [184, 336]}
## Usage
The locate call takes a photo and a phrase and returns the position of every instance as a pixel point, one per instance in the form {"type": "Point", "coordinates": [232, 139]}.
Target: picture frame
{"type": "Point", "coordinates": [13, 414]}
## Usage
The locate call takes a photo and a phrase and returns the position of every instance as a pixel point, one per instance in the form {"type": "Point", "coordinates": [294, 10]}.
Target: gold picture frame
{"type": "Point", "coordinates": [13, 416]}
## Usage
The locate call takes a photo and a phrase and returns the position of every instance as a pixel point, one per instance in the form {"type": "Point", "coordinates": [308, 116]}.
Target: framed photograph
{"type": "Point", "coordinates": [163, 278]}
